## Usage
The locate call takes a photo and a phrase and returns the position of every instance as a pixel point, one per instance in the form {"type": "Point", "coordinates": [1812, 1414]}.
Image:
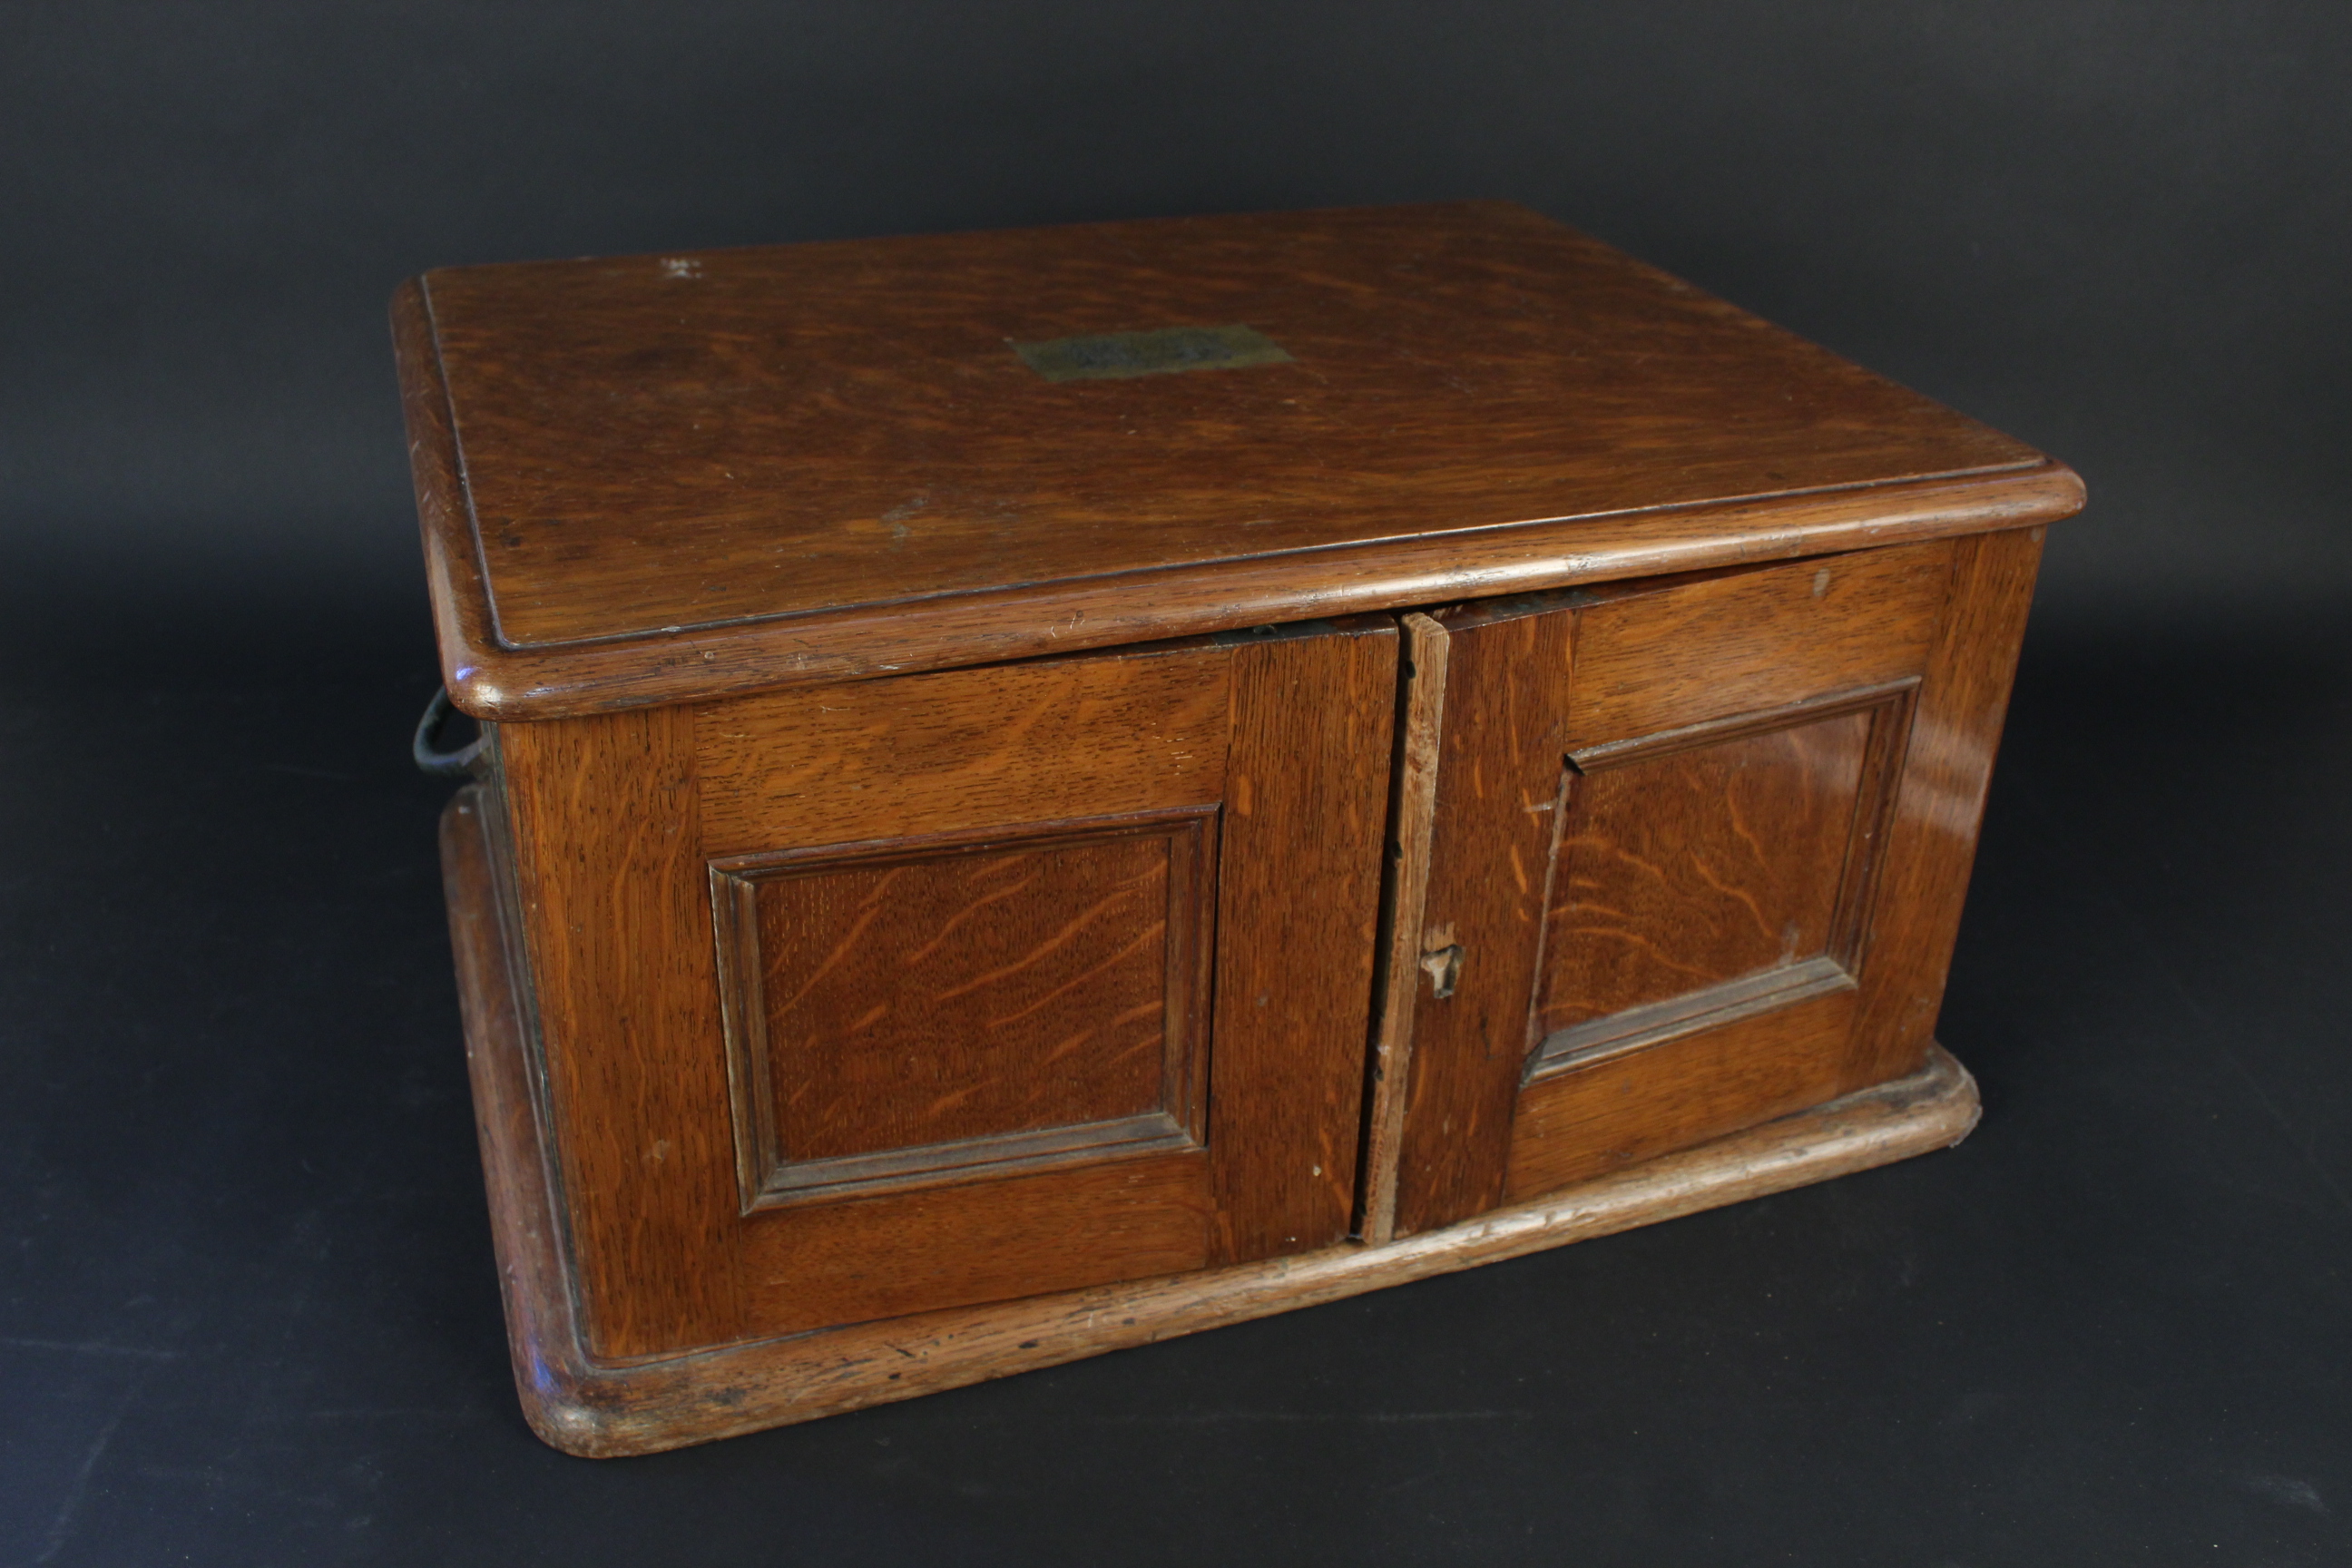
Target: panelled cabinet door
{"type": "Point", "coordinates": [1693, 852]}
{"type": "Point", "coordinates": [871, 999]}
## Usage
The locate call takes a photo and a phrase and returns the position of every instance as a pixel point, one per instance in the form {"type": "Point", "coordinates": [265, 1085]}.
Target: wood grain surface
{"type": "Point", "coordinates": [949, 998]}
{"type": "Point", "coordinates": [1656, 656]}
{"type": "Point", "coordinates": [1681, 871]}
{"type": "Point", "coordinates": [1123, 1216]}
{"type": "Point", "coordinates": [1033, 743]}
{"type": "Point", "coordinates": [661, 477]}
{"type": "Point", "coordinates": [664, 441]}
{"type": "Point", "coordinates": [1298, 917]}
{"type": "Point", "coordinates": [596, 1410]}
{"type": "Point", "coordinates": [1677, 1093]}
{"type": "Point", "coordinates": [617, 921]}
{"type": "Point", "coordinates": [908, 1016]}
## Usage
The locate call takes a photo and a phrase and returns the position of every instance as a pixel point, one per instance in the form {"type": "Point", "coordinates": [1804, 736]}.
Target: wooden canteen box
{"type": "Point", "coordinates": [1047, 790]}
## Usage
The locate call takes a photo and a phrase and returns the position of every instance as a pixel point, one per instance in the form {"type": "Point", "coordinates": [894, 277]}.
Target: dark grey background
{"type": "Point", "coordinates": [246, 1311]}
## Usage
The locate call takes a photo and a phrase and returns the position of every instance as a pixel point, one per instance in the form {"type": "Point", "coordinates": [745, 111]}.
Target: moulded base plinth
{"type": "Point", "coordinates": [601, 1411]}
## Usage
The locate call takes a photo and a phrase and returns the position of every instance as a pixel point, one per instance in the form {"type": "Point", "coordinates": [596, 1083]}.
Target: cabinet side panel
{"type": "Point", "coordinates": [617, 921]}
{"type": "Point", "coordinates": [1498, 790]}
{"type": "Point", "coordinates": [1298, 914]}
{"type": "Point", "coordinates": [1939, 804]}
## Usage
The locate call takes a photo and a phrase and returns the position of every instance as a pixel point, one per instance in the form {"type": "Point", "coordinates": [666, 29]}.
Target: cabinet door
{"type": "Point", "coordinates": [1688, 853]}
{"type": "Point", "coordinates": [870, 999]}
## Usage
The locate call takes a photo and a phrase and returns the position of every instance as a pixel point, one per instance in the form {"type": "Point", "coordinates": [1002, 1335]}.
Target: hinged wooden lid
{"type": "Point", "coordinates": [656, 477]}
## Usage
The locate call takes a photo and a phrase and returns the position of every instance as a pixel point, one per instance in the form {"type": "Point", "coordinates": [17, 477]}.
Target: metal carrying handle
{"type": "Point", "coordinates": [463, 762]}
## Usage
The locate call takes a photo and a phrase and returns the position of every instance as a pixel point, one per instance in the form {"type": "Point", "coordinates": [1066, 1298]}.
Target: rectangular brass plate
{"type": "Point", "coordinates": [1161, 352]}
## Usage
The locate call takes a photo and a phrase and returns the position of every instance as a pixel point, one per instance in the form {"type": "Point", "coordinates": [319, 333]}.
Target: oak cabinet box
{"type": "Point", "coordinates": [1049, 789]}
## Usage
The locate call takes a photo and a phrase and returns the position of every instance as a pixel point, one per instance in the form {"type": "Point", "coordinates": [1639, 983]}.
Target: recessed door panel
{"type": "Point", "coordinates": [1679, 874]}
{"type": "Point", "coordinates": [903, 1016]}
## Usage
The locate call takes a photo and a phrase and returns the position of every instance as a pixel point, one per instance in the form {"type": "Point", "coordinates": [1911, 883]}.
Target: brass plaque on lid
{"type": "Point", "coordinates": [1161, 352]}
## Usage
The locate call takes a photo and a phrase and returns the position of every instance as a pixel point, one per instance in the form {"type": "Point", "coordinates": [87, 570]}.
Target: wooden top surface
{"type": "Point", "coordinates": [649, 477]}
